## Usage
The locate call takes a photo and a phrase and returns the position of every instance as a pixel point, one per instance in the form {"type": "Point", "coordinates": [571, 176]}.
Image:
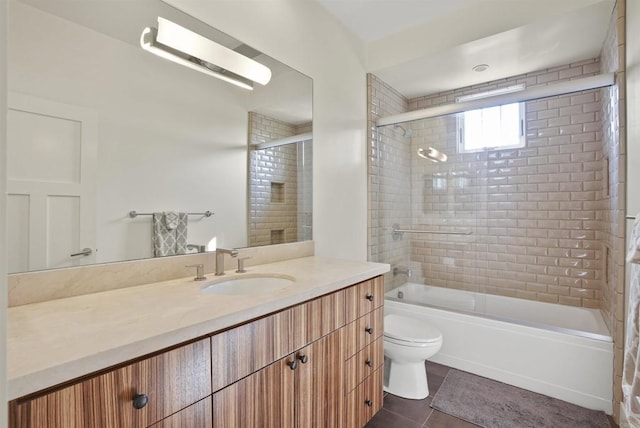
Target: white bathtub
{"type": "Point", "coordinates": [561, 351]}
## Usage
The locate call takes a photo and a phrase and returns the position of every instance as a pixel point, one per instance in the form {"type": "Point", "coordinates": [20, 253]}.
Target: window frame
{"type": "Point", "coordinates": [460, 132]}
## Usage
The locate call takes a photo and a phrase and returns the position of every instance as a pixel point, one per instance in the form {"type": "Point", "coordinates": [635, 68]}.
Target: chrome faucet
{"type": "Point", "coordinates": [199, 272]}
{"type": "Point", "coordinates": [220, 252]}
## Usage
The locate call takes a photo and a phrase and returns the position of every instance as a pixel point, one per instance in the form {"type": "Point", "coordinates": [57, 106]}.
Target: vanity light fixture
{"type": "Point", "coordinates": [180, 45]}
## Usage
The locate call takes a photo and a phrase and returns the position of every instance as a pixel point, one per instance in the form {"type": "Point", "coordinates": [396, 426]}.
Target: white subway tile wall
{"type": "Point", "coordinates": [389, 179]}
{"type": "Point", "coordinates": [612, 231]}
{"type": "Point", "coordinates": [275, 218]}
{"type": "Point", "coordinates": [535, 212]}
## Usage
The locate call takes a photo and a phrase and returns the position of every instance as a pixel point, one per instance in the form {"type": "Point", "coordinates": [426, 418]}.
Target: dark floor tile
{"type": "Point", "coordinates": [384, 419]}
{"type": "Point", "coordinates": [435, 376]}
{"type": "Point", "coordinates": [437, 369]}
{"type": "Point", "coordinates": [415, 410]}
{"type": "Point", "coordinates": [442, 420]}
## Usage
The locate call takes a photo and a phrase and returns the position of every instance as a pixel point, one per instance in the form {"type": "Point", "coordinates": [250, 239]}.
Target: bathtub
{"type": "Point", "coordinates": [560, 351]}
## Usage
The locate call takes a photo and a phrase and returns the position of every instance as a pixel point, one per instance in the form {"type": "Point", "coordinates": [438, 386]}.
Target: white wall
{"type": "Point", "coordinates": [633, 106]}
{"type": "Point", "coordinates": [306, 37]}
{"type": "Point", "coordinates": [3, 243]}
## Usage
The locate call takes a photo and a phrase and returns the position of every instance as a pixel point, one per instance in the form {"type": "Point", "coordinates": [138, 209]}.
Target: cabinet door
{"type": "Point", "coordinates": [319, 384]}
{"type": "Point", "coordinates": [170, 382]}
{"type": "Point", "coordinates": [264, 399]}
{"type": "Point", "coordinates": [197, 415]}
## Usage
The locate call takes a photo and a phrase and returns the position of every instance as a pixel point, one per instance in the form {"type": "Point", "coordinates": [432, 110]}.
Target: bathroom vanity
{"type": "Point", "coordinates": [308, 355]}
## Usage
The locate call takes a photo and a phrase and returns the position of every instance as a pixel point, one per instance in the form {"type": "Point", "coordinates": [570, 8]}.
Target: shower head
{"type": "Point", "coordinates": [432, 154]}
{"type": "Point", "coordinates": [405, 132]}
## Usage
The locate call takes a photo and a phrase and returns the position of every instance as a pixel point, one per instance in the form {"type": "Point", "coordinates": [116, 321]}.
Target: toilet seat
{"type": "Point", "coordinates": [409, 331]}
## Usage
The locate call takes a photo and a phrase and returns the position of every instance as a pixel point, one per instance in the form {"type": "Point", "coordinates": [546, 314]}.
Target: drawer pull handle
{"type": "Point", "coordinates": [303, 358]}
{"type": "Point", "coordinates": [369, 363]}
{"type": "Point", "coordinates": [369, 297]}
{"type": "Point", "coordinates": [368, 403]}
{"type": "Point", "coordinates": [293, 364]}
{"type": "Point", "coordinates": [140, 400]}
{"type": "Point", "coordinates": [369, 330]}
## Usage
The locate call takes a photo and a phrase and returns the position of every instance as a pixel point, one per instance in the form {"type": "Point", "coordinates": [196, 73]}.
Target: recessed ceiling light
{"type": "Point", "coordinates": [480, 68]}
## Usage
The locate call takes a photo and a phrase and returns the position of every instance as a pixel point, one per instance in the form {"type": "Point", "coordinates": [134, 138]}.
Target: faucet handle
{"type": "Point", "coordinates": [241, 268]}
{"type": "Point", "coordinates": [199, 271]}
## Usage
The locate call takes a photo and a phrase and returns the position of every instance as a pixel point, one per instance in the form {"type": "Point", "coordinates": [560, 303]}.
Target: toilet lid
{"type": "Point", "coordinates": [410, 329]}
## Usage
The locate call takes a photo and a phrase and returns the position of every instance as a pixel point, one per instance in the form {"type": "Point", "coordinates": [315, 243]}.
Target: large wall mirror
{"type": "Point", "coordinates": [99, 127]}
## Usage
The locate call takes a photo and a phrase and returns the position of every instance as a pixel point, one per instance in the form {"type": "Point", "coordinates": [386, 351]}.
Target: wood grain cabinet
{"type": "Point", "coordinates": [136, 395]}
{"type": "Point", "coordinates": [303, 389]}
{"type": "Point", "coordinates": [316, 364]}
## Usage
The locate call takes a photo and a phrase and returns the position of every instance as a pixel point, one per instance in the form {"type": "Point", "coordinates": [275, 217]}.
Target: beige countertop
{"type": "Point", "coordinates": [59, 340]}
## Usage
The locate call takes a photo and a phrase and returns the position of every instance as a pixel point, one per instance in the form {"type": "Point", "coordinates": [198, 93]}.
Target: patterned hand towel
{"type": "Point", "coordinates": [169, 233]}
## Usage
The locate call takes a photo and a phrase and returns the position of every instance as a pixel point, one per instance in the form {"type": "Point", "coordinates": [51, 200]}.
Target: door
{"type": "Point", "coordinates": [264, 399]}
{"type": "Point", "coordinates": [51, 164]}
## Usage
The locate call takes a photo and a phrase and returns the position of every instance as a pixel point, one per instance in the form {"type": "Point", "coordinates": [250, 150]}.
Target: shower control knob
{"type": "Point", "coordinates": [369, 330]}
{"type": "Point", "coordinates": [140, 400]}
{"type": "Point", "coordinates": [368, 403]}
{"type": "Point", "coordinates": [369, 363]}
{"type": "Point", "coordinates": [293, 364]}
{"type": "Point", "coordinates": [369, 297]}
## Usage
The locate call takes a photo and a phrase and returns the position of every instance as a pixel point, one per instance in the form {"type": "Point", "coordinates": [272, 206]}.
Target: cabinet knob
{"type": "Point", "coordinates": [368, 403]}
{"type": "Point", "coordinates": [369, 297]}
{"type": "Point", "coordinates": [140, 400]}
{"type": "Point", "coordinates": [369, 330]}
{"type": "Point", "coordinates": [293, 364]}
{"type": "Point", "coordinates": [369, 363]}
{"type": "Point", "coordinates": [303, 358]}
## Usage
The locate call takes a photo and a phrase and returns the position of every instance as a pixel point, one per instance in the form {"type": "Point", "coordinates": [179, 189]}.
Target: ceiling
{"type": "Point", "coordinates": [422, 47]}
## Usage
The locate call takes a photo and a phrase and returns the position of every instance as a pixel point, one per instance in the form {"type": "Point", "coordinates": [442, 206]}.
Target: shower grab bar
{"type": "Point", "coordinates": [397, 232]}
{"type": "Point", "coordinates": [134, 214]}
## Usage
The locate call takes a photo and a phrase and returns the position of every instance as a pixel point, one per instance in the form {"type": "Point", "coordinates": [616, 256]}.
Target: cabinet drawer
{"type": "Point", "coordinates": [250, 347]}
{"type": "Point", "coordinates": [364, 401]}
{"type": "Point", "coordinates": [363, 364]}
{"type": "Point", "coordinates": [170, 382]}
{"type": "Point", "coordinates": [363, 331]}
{"type": "Point", "coordinates": [364, 297]}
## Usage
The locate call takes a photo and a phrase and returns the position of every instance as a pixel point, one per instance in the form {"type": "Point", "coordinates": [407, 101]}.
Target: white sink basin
{"type": "Point", "coordinates": [253, 284]}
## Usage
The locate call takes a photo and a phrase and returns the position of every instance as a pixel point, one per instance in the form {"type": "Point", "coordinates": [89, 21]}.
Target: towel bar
{"type": "Point", "coordinates": [397, 232]}
{"type": "Point", "coordinates": [134, 214]}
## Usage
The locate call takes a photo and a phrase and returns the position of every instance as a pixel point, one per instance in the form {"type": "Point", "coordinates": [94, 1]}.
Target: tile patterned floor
{"type": "Point", "coordinates": [401, 413]}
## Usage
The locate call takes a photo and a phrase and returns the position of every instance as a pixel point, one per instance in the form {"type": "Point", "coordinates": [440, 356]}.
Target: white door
{"type": "Point", "coordinates": [51, 162]}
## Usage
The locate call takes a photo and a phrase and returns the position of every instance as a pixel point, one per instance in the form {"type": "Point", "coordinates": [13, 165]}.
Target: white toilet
{"type": "Point", "coordinates": [408, 342]}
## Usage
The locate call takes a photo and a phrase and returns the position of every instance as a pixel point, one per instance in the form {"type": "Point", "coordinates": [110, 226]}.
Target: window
{"type": "Point", "coordinates": [500, 127]}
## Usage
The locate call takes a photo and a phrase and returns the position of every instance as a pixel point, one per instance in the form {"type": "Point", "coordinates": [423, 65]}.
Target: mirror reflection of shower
{"type": "Point", "coordinates": [432, 154]}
